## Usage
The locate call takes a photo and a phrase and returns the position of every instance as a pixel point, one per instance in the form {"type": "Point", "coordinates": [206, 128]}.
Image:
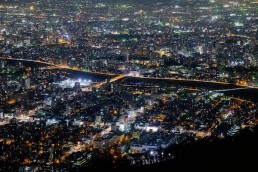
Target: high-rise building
{"type": "Point", "coordinates": [27, 83]}
{"type": "Point", "coordinates": [98, 119]}
{"type": "Point", "coordinates": [1, 114]}
{"type": "Point", "coordinates": [3, 63]}
{"type": "Point", "coordinates": [113, 127]}
{"type": "Point", "coordinates": [127, 58]}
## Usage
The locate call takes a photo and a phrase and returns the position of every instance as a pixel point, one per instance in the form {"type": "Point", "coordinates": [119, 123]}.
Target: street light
{"type": "Point", "coordinates": [32, 8]}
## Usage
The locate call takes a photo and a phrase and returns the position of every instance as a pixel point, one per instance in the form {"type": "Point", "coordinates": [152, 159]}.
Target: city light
{"type": "Point", "coordinates": [128, 84]}
{"type": "Point", "coordinates": [32, 8]}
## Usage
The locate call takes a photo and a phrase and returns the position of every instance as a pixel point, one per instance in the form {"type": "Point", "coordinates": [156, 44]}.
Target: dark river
{"type": "Point", "coordinates": [249, 94]}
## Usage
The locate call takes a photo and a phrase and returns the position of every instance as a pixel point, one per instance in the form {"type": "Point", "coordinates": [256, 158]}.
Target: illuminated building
{"type": "Point", "coordinates": [27, 83]}
{"type": "Point", "coordinates": [1, 114]}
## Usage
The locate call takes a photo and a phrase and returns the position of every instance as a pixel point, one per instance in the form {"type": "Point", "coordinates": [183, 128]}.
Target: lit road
{"type": "Point", "coordinates": [98, 85]}
{"type": "Point", "coordinates": [116, 78]}
{"type": "Point", "coordinates": [234, 35]}
{"type": "Point", "coordinates": [233, 89]}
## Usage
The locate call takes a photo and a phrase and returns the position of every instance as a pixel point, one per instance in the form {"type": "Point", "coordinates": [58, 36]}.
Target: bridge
{"type": "Point", "coordinates": [99, 85]}
{"type": "Point", "coordinates": [54, 66]}
{"type": "Point", "coordinates": [117, 78]}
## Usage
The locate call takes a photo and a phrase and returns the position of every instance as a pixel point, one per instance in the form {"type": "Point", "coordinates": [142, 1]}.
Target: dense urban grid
{"type": "Point", "coordinates": [120, 82]}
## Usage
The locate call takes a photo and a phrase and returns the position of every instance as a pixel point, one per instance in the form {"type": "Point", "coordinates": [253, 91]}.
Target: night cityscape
{"type": "Point", "coordinates": [121, 84]}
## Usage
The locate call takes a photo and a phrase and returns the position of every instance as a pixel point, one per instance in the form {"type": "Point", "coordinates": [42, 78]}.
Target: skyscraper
{"type": "Point", "coordinates": [27, 83]}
